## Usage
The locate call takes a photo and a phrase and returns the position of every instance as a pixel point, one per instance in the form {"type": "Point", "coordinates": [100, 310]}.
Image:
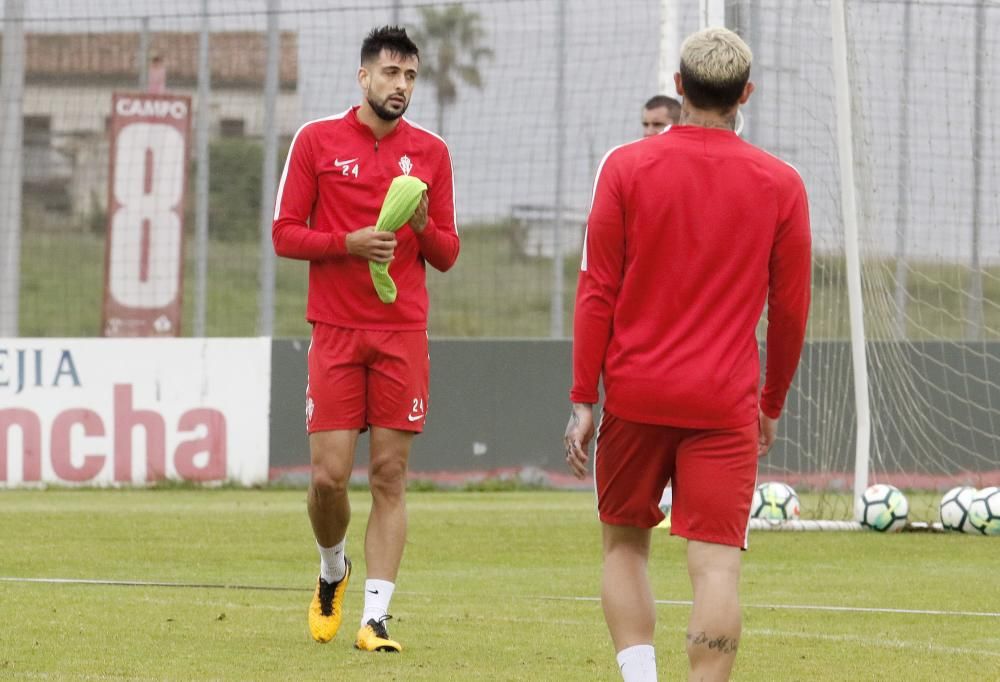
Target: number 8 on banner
{"type": "Point", "coordinates": [145, 235]}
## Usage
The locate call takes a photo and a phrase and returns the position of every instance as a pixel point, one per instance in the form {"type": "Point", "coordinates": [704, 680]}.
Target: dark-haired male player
{"type": "Point", "coordinates": [368, 361]}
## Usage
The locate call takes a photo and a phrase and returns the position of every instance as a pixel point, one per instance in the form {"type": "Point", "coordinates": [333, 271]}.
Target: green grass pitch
{"type": "Point", "coordinates": [494, 586]}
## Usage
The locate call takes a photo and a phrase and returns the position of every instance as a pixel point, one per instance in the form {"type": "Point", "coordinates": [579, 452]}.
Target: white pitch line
{"type": "Point", "coordinates": [858, 639]}
{"type": "Point", "coordinates": [815, 607]}
{"type": "Point", "coordinates": [662, 602]}
{"type": "Point", "coordinates": [863, 609]}
{"type": "Point", "coordinates": [143, 583]}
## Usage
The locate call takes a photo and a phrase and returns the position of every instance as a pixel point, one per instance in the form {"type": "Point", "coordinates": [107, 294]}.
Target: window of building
{"type": "Point", "coordinates": [38, 131]}
{"type": "Point", "coordinates": [232, 127]}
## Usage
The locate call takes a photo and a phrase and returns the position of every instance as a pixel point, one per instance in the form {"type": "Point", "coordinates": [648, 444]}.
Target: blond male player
{"type": "Point", "coordinates": [690, 232]}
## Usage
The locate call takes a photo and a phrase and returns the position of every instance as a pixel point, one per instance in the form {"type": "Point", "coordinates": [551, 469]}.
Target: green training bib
{"type": "Point", "coordinates": [398, 206]}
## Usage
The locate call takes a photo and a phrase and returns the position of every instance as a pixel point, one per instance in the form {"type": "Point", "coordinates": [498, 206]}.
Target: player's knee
{"type": "Point", "coordinates": [329, 481]}
{"type": "Point", "coordinates": [721, 584]}
{"type": "Point", "coordinates": [387, 477]}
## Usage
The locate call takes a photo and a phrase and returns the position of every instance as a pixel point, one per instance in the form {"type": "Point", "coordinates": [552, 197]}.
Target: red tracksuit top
{"type": "Point", "coordinates": [334, 181]}
{"type": "Point", "coordinates": [690, 232]}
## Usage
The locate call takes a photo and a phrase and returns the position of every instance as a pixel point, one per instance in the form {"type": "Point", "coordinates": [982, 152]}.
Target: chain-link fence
{"type": "Point", "coordinates": [543, 90]}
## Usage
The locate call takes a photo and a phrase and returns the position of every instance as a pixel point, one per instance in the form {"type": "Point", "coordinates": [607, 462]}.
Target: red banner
{"type": "Point", "coordinates": [144, 259]}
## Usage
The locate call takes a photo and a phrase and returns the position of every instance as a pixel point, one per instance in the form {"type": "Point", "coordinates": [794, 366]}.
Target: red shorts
{"type": "Point", "coordinates": [362, 377]}
{"type": "Point", "coordinates": [712, 473]}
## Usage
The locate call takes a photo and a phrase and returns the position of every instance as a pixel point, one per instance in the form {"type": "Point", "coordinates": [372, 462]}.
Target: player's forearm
{"type": "Point", "coordinates": [292, 240]}
{"type": "Point", "coordinates": [596, 297]}
{"type": "Point", "coordinates": [581, 396]}
{"type": "Point", "coordinates": [787, 308]}
{"type": "Point", "coordinates": [586, 375]}
{"type": "Point", "coordinates": [785, 338]}
{"type": "Point", "coordinates": [439, 245]}
{"type": "Point", "coordinates": [591, 334]}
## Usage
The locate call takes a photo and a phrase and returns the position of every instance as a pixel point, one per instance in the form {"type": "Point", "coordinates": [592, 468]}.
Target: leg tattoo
{"type": "Point", "coordinates": [722, 644]}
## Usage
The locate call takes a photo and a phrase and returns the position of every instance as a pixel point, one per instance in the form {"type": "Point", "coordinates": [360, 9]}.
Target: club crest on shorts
{"type": "Point", "coordinates": [310, 408]}
{"type": "Point", "coordinates": [405, 164]}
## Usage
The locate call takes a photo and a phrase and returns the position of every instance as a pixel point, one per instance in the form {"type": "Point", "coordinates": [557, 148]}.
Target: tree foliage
{"type": "Point", "coordinates": [451, 47]}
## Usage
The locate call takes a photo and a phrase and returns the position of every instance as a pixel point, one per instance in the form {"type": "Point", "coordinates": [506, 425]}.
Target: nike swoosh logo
{"type": "Point", "coordinates": [415, 417]}
{"type": "Point", "coordinates": [372, 591]}
{"type": "Point", "coordinates": [340, 164]}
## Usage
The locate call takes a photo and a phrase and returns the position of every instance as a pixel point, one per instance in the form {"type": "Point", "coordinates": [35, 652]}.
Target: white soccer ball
{"type": "Point", "coordinates": [984, 511]}
{"type": "Point", "coordinates": [954, 508]}
{"type": "Point", "coordinates": [775, 502]}
{"type": "Point", "coordinates": [883, 508]}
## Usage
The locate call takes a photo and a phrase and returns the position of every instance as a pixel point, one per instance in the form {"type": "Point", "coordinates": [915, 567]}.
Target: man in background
{"type": "Point", "coordinates": [658, 113]}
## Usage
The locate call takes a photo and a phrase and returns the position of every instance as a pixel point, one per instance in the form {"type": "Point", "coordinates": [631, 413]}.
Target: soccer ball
{"type": "Point", "coordinates": [984, 511]}
{"type": "Point", "coordinates": [775, 502]}
{"type": "Point", "coordinates": [954, 508]}
{"type": "Point", "coordinates": [883, 508]}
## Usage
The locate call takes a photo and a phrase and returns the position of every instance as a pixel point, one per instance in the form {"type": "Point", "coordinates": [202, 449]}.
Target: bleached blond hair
{"type": "Point", "coordinates": [715, 66]}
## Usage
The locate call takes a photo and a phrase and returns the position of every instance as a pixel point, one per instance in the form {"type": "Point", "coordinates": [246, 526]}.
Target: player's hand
{"type": "Point", "coordinates": [418, 221]}
{"type": "Point", "coordinates": [767, 433]}
{"type": "Point", "coordinates": [576, 440]}
{"type": "Point", "coordinates": [371, 245]}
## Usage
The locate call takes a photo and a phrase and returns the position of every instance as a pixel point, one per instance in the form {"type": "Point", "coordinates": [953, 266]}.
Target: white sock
{"type": "Point", "coordinates": [638, 663]}
{"type": "Point", "coordinates": [332, 566]}
{"type": "Point", "coordinates": [377, 596]}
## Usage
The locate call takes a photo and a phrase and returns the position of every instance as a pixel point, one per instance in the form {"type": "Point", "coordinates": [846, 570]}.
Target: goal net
{"type": "Point", "coordinates": [927, 161]}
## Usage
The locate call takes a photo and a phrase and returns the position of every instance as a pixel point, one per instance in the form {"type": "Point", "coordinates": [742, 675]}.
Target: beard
{"type": "Point", "coordinates": [385, 113]}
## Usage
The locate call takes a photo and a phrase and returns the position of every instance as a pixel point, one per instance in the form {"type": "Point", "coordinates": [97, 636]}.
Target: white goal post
{"type": "Point", "coordinates": [848, 205]}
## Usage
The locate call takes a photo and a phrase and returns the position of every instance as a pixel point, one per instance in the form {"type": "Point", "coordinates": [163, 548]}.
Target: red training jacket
{"type": "Point", "coordinates": [689, 233]}
{"type": "Point", "coordinates": [334, 181]}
